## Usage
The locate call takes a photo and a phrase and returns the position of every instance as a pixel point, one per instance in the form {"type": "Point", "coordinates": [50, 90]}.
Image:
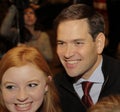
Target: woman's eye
{"type": "Point", "coordinates": [33, 85]}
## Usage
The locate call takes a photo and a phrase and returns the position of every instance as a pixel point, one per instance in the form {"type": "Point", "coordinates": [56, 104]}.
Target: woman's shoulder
{"type": "Point", "coordinates": [44, 36]}
{"type": "Point", "coordinates": [43, 33]}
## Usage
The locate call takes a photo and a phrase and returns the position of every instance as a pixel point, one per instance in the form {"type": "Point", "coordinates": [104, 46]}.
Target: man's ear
{"type": "Point", "coordinates": [100, 42]}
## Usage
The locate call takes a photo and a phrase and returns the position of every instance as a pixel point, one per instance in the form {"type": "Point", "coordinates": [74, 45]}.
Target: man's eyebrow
{"type": "Point", "coordinates": [78, 39]}
{"type": "Point", "coordinates": [60, 41]}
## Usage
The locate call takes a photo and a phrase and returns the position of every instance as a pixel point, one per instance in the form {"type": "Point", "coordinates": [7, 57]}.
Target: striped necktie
{"type": "Point", "coordinates": [86, 99]}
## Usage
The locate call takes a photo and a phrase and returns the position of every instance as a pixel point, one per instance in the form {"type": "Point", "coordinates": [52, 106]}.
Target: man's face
{"type": "Point", "coordinates": [77, 51]}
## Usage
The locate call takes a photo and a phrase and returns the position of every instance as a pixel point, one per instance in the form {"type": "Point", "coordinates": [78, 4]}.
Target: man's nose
{"type": "Point", "coordinates": [69, 51]}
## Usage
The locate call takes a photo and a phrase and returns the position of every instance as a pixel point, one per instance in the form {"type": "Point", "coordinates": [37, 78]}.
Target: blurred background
{"type": "Point", "coordinates": [47, 10]}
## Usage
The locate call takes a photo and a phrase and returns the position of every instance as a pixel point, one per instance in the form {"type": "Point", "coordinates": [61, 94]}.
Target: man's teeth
{"type": "Point", "coordinates": [72, 62]}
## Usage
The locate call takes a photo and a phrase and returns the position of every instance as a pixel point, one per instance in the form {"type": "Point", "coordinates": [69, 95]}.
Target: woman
{"type": "Point", "coordinates": [26, 31]}
{"type": "Point", "coordinates": [26, 82]}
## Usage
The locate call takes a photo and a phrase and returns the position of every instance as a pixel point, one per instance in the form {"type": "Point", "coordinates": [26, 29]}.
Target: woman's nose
{"type": "Point", "coordinates": [22, 95]}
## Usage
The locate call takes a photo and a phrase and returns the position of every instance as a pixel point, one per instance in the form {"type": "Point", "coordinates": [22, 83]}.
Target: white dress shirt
{"type": "Point", "coordinates": [97, 79]}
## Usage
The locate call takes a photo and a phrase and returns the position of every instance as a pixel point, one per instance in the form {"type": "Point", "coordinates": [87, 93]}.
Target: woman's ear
{"type": "Point", "coordinates": [46, 86]}
{"type": "Point", "coordinates": [50, 78]}
{"type": "Point", "coordinates": [100, 42]}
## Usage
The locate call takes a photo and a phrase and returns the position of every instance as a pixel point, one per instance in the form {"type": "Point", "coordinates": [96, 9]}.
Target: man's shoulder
{"type": "Point", "coordinates": [59, 76]}
{"type": "Point", "coordinates": [107, 60]}
{"type": "Point", "coordinates": [111, 65]}
{"type": "Point", "coordinates": [62, 78]}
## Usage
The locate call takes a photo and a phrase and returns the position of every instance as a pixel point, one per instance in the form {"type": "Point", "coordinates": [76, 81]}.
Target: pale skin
{"type": "Point", "coordinates": [77, 51]}
{"type": "Point", "coordinates": [23, 88]}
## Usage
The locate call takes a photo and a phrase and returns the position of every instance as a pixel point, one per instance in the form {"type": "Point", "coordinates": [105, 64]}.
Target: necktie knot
{"type": "Point", "coordinates": [86, 86]}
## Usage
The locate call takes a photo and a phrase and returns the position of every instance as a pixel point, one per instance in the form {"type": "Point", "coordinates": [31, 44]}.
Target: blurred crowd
{"type": "Point", "coordinates": [45, 13]}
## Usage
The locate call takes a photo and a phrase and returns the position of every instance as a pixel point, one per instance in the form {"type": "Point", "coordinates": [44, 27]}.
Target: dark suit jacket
{"type": "Point", "coordinates": [70, 102]}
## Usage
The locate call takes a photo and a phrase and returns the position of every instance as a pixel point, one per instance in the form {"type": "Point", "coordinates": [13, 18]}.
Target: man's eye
{"type": "Point", "coordinates": [79, 43]}
{"type": "Point", "coordinates": [10, 87]}
{"type": "Point", "coordinates": [33, 85]}
{"type": "Point", "coordinates": [60, 43]}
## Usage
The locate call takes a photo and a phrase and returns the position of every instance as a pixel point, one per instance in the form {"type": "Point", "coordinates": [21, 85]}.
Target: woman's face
{"type": "Point", "coordinates": [29, 17]}
{"type": "Point", "coordinates": [23, 88]}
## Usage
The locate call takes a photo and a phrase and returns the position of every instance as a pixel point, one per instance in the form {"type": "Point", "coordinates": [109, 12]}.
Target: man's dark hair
{"type": "Point", "coordinates": [82, 11]}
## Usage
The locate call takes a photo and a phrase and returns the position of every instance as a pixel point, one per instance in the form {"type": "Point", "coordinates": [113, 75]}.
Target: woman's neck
{"type": "Point", "coordinates": [30, 28]}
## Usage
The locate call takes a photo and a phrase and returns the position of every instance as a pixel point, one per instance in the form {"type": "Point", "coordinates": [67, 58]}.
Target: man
{"type": "Point", "coordinates": [80, 43]}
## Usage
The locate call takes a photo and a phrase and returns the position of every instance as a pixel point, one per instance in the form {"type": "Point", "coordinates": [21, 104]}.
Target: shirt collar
{"type": "Point", "coordinates": [96, 77]}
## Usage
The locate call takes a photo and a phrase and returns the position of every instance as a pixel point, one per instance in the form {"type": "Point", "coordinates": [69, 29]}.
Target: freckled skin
{"type": "Point", "coordinates": [23, 88]}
